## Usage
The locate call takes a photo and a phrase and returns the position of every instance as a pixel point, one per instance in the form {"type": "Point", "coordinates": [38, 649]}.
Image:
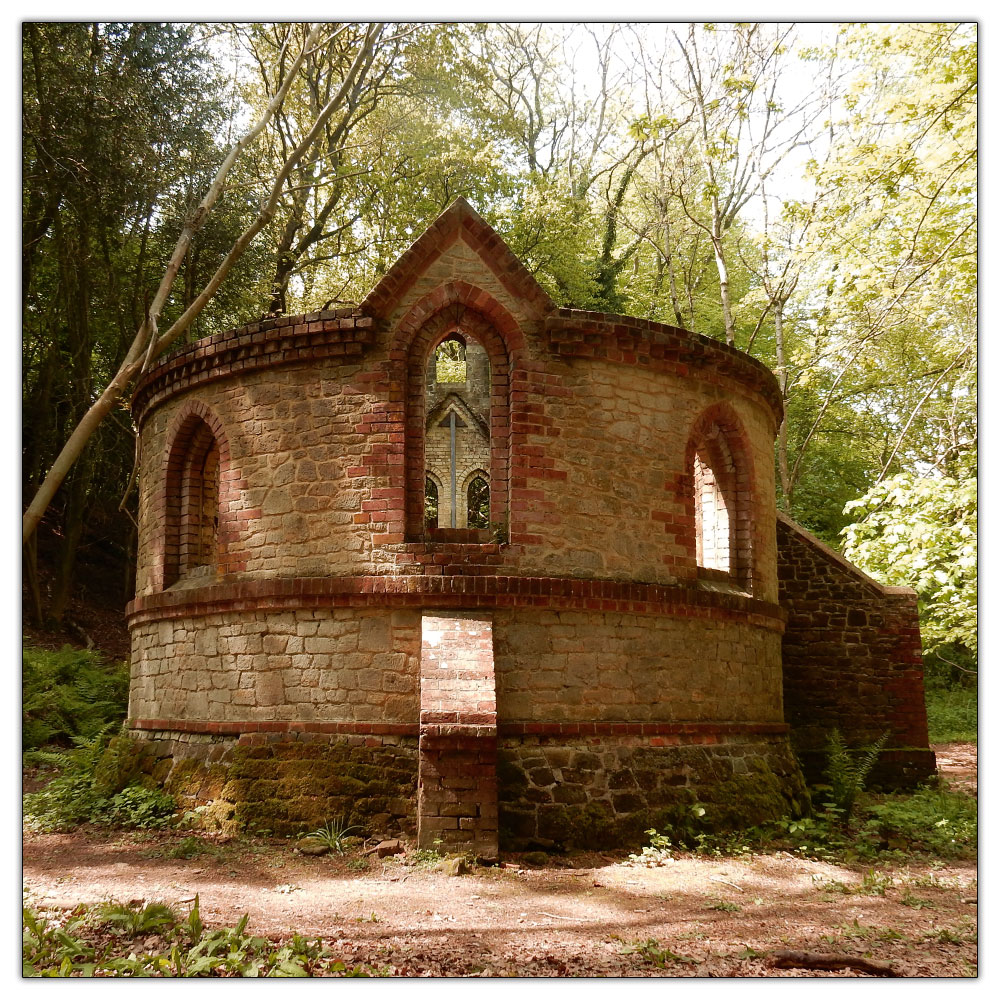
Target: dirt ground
{"type": "Point", "coordinates": [584, 915]}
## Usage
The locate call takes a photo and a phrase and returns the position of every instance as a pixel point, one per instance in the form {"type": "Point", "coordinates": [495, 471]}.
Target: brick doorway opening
{"type": "Point", "coordinates": [457, 779]}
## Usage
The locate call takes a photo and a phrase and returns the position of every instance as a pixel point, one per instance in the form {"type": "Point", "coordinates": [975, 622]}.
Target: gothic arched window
{"type": "Point", "coordinates": [431, 502]}
{"type": "Point", "coordinates": [478, 501]}
{"type": "Point", "coordinates": [193, 482]}
{"type": "Point", "coordinates": [719, 467]}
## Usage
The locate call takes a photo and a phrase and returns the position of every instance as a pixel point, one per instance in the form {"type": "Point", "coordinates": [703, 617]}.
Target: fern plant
{"type": "Point", "coordinates": [69, 693]}
{"type": "Point", "coordinates": [847, 771]}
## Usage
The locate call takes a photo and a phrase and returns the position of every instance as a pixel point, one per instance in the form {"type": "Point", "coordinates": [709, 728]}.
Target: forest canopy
{"type": "Point", "coordinates": [807, 193]}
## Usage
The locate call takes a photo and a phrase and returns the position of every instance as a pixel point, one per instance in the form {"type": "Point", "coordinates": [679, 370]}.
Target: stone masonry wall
{"type": "Point", "coordinates": [852, 660]}
{"type": "Point", "coordinates": [586, 666]}
{"type": "Point", "coordinates": [334, 664]}
{"type": "Point", "coordinates": [288, 783]}
{"type": "Point", "coordinates": [596, 792]}
{"type": "Point", "coordinates": [598, 414]}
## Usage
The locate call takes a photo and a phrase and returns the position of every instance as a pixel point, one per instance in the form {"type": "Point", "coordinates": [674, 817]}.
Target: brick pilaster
{"type": "Point", "coordinates": [457, 782]}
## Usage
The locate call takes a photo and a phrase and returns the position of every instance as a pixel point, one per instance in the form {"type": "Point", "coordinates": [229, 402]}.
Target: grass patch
{"type": "Point", "coordinates": [932, 820]}
{"type": "Point", "coordinates": [952, 714]}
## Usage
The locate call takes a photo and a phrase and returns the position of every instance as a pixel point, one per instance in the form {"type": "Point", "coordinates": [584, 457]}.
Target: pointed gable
{"type": "Point", "coordinates": [462, 410]}
{"type": "Point", "coordinates": [459, 223]}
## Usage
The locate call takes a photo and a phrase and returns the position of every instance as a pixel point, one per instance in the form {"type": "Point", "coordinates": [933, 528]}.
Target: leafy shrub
{"type": "Point", "coordinates": [69, 693]}
{"type": "Point", "coordinates": [95, 785]}
{"type": "Point", "coordinates": [952, 714]}
{"type": "Point", "coordinates": [137, 807]}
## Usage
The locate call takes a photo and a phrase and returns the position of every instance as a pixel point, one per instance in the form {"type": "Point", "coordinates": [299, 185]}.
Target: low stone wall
{"type": "Point", "coordinates": [563, 791]}
{"type": "Point", "coordinates": [852, 660]}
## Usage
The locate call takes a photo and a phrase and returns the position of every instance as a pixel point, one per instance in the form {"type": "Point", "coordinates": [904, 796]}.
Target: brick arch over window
{"type": "Point", "coordinates": [199, 522]}
{"type": "Point", "coordinates": [719, 495]}
{"type": "Point", "coordinates": [456, 307]}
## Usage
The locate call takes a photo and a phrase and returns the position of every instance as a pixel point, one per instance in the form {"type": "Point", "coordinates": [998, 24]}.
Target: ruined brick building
{"type": "Point", "coordinates": [463, 562]}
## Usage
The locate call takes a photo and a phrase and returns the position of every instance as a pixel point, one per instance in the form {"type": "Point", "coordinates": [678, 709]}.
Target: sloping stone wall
{"type": "Point", "coordinates": [852, 660]}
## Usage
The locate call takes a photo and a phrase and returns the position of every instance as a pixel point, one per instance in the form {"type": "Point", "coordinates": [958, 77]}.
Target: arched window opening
{"type": "Point", "coordinates": [457, 432]}
{"type": "Point", "coordinates": [478, 497]}
{"type": "Point", "coordinates": [193, 488]}
{"type": "Point", "coordinates": [711, 513]}
{"type": "Point", "coordinates": [430, 502]}
{"type": "Point", "coordinates": [719, 465]}
{"type": "Point", "coordinates": [449, 361]}
{"type": "Point", "coordinates": [204, 510]}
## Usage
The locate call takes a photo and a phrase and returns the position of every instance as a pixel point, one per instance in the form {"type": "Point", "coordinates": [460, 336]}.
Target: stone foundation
{"type": "Point", "coordinates": [289, 783]}
{"type": "Point", "coordinates": [561, 792]}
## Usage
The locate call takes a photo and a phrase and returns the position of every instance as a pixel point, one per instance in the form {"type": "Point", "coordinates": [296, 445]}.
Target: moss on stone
{"type": "Point", "coordinates": [121, 762]}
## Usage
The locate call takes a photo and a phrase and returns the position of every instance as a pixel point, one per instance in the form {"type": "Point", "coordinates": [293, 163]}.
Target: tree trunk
{"type": "Point", "coordinates": [720, 263]}
{"type": "Point", "coordinates": [779, 341]}
{"type": "Point", "coordinates": [72, 527]}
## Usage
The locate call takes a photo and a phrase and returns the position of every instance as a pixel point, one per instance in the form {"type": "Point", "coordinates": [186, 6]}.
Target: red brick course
{"type": "Point", "coordinates": [465, 589]}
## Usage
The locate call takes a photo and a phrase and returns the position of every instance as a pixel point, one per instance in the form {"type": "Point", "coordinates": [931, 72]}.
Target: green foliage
{"type": "Point", "coordinates": [652, 952]}
{"type": "Point", "coordinates": [424, 857]}
{"type": "Point", "coordinates": [932, 820]}
{"type": "Point", "coordinates": [724, 906]}
{"type": "Point", "coordinates": [137, 807]}
{"type": "Point", "coordinates": [332, 834]}
{"type": "Point", "coordinates": [49, 949]}
{"type": "Point", "coordinates": [847, 770]}
{"type": "Point", "coordinates": [131, 920]}
{"type": "Point", "coordinates": [873, 883]}
{"type": "Point", "coordinates": [80, 792]}
{"type": "Point", "coordinates": [189, 847]}
{"type": "Point", "coordinates": [952, 714]}
{"type": "Point", "coordinates": [921, 533]}
{"type": "Point", "coordinates": [72, 692]}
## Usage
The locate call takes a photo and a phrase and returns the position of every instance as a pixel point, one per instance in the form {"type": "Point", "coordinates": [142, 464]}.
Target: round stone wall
{"type": "Point", "coordinates": [286, 573]}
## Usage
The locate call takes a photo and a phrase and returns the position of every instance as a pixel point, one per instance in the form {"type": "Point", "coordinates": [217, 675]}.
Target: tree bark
{"type": "Point", "coordinates": [831, 962]}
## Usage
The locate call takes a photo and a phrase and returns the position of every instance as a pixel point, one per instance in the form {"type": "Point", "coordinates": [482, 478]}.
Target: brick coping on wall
{"type": "Point", "coordinates": [455, 592]}
{"type": "Point", "coordinates": [669, 732]}
{"type": "Point", "coordinates": [350, 331]}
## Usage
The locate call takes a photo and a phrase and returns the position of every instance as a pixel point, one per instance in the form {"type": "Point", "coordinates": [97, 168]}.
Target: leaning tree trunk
{"type": "Point", "coordinates": [149, 343]}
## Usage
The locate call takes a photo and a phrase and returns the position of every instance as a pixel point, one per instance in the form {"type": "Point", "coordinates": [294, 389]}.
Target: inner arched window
{"type": "Point", "coordinates": [719, 466]}
{"type": "Point", "coordinates": [478, 502]}
{"type": "Point", "coordinates": [430, 502]}
{"type": "Point", "coordinates": [711, 511]}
